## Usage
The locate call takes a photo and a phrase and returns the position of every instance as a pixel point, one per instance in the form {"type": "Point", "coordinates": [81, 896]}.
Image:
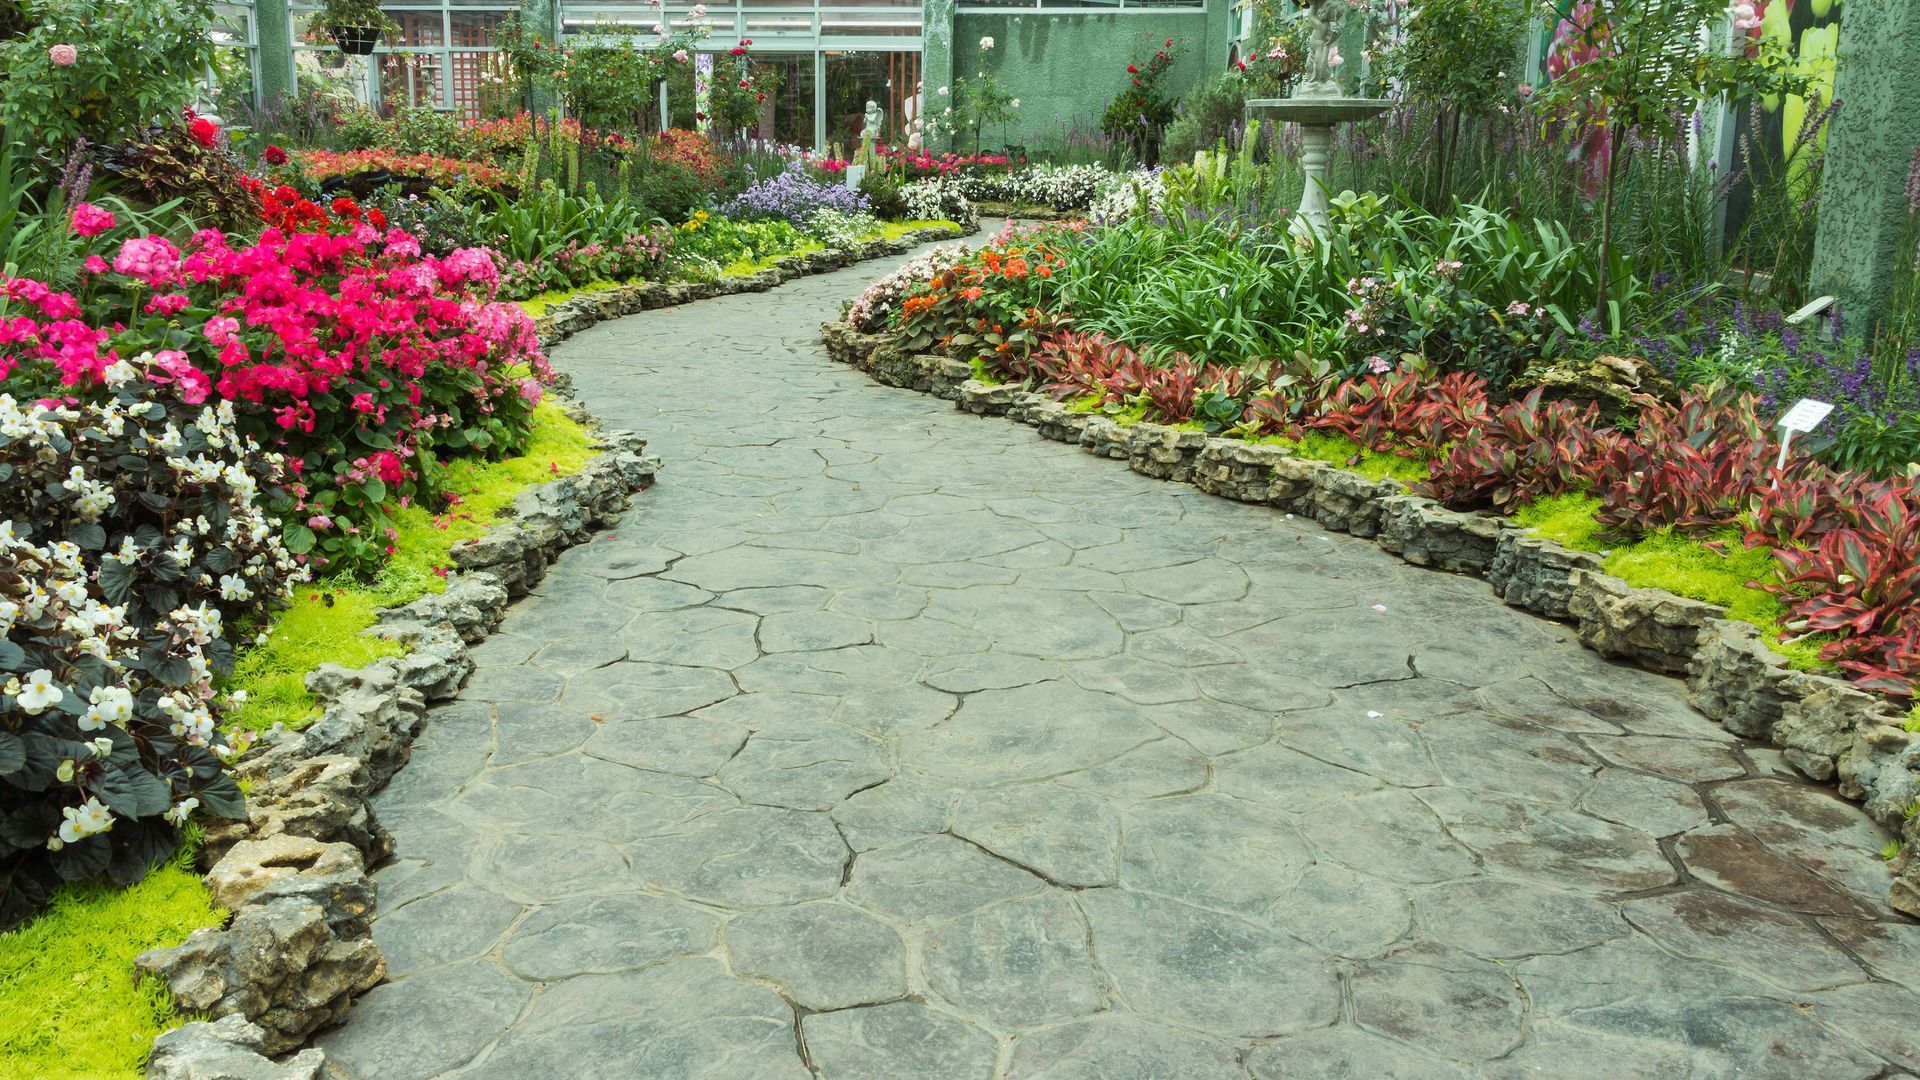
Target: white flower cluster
{"type": "Point", "coordinates": [838, 229]}
{"type": "Point", "coordinates": [69, 466]}
{"type": "Point", "coordinates": [1122, 194]}
{"type": "Point", "coordinates": [938, 199]}
{"type": "Point", "coordinates": [1057, 187]}
{"type": "Point", "coordinates": [872, 308]}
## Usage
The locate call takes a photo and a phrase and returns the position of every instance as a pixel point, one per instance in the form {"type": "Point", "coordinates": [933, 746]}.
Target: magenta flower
{"type": "Point", "coordinates": [89, 220]}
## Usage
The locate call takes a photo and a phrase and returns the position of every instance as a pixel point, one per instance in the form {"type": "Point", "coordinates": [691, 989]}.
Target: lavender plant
{"type": "Point", "coordinates": [794, 196]}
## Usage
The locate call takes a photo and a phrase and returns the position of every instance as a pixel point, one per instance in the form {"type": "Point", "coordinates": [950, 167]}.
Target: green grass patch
{"type": "Point", "coordinates": [1682, 565]}
{"type": "Point", "coordinates": [894, 230]}
{"type": "Point", "coordinates": [1344, 452]}
{"type": "Point", "coordinates": [985, 374]}
{"type": "Point", "coordinates": [325, 621]}
{"type": "Point", "coordinates": [69, 1007]}
{"type": "Point", "coordinates": [537, 306]}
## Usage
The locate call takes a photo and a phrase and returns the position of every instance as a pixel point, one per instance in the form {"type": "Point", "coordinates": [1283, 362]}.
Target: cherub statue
{"type": "Point", "coordinates": [1323, 48]}
{"type": "Point", "coordinates": [872, 128]}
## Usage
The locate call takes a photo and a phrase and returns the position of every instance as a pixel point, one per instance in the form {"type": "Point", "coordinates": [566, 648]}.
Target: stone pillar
{"type": "Point", "coordinates": [1868, 151]}
{"type": "Point", "coordinates": [936, 65]}
{"type": "Point", "coordinates": [273, 34]}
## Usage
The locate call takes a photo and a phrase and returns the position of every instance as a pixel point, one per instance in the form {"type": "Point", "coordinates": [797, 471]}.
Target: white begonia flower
{"type": "Point", "coordinates": [117, 373]}
{"type": "Point", "coordinates": [108, 705]}
{"type": "Point", "coordinates": [102, 747]}
{"type": "Point", "coordinates": [38, 692]}
{"type": "Point", "coordinates": [87, 819]}
{"type": "Point", "coordinates": [182, 811]}
{"type": "Point", "coordinates": [234, 587]}
{"type": "Point", "coordinates": [986, 43]}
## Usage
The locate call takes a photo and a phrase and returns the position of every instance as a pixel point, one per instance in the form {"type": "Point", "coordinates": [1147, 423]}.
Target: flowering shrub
{"type": "Point", "coordinates": [1136, 115]}
{"type": "Point", "coordinates": [794, 195]}
{"type": "Point", "coordinates": [718, 242]}
{"type": "Point", "coordinates": [639, 257]}
{"type": "Point", "coordinates": [837, 229]}
{"type": "Point", "coordinates": [919, 164]}
{"type": "Point", "coordinates": [348, 350]}
{"type": "Point", "coordinates": [132, 530]}
{"type": "Point", "coordinates": [1122, 194]}
{"type": "Point", "coordinates": [689, 150]}
{"type": "Point", "coordinates": [324, 165]}
{"type": "Point", "coordinates": [877, 305]}
{"type": "Point", "coordinates": [938, 200]}
{"type": "Point", "coordinates": [1057, 187]}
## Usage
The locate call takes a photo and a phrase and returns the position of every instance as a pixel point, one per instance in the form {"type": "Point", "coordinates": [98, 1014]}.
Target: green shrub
{"type": "Point", "coordinates": [134, 62]}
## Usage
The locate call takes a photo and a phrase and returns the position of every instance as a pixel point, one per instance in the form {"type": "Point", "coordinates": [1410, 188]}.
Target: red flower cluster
{"type": "Point", "coordinates": [323, 165]}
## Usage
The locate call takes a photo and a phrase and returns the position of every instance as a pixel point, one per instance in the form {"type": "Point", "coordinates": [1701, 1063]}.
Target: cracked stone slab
{"type": "Point", "coordinates": [805, 767]}
{"type": "Point", "coordinates": [748, 856]}
{"type": "Point", "coordinates": [682, 1018]}
{"type": "Point", "coordinates": [935, 878]}
{"type": "Point", "coordinates": [1214, 851]}
{"type": "Point", "coordinates": [605, 934]}
{"type": "Point", "coordinates": [1023, 961]}
{"type": "Point", "coordinates": [1447, 1003]}
{"type": "Point", "coordinates": [821, 955]}
{"type": "Point", "coordinates": [994, 736]}
{"type": "Point", "coordinates": [902, 1040]}
{"type": "Point", "coordinates": [1288, 789]}
{"type": "Point", "coordinates": [1066, 836]}
{"type": "Point", "coordinates": [1114, 1045]}
{"type": "Point", "coordinates": [1206, 970]}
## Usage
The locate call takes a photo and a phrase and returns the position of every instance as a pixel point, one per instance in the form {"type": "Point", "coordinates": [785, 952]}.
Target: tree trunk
{"type": "Point", "coordinates": [1616, 153]}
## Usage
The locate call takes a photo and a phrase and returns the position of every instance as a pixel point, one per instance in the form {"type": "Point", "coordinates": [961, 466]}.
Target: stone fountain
{"type": "Point", "coordinates": [1318, 105]}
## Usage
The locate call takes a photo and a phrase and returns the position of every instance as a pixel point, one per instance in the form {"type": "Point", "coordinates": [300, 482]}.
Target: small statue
{"type": "Point", "coordinates": [1323, 48]}
{"type": "Point", "coordinates": [872, 130]}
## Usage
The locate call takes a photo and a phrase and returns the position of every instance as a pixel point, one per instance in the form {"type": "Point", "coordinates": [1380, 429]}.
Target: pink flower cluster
{"type": "Point", "coordinates": [350, 352]}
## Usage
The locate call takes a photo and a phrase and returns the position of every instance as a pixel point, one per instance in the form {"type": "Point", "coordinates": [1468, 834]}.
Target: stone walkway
{"type": "Point", "coordinates": [883, 741]}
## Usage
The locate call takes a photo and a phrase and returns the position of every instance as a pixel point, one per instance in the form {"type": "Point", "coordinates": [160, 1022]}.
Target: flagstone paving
{"type": "Point", "coordinates": [883, 741]}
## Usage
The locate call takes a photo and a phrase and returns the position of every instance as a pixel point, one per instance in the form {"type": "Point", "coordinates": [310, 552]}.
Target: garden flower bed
{"type": "Point", "coordinates": [1792, 608]}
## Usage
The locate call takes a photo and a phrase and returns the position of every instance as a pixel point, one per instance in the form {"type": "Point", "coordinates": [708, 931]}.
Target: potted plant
{"type": "Point", "coordinates": [355, 25]}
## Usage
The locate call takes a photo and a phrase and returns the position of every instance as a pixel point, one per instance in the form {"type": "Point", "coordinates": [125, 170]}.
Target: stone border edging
{"type": "Point", "coordinates": [569, 317]}
{"type": "Point", "coordinates": [1826, 728]}
{"type": "Point", "coordinates": [298, 946]}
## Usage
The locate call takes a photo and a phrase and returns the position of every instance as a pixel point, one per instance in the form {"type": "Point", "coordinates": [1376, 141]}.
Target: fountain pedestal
{"type": "Point", "coordinates": [1317, 117]}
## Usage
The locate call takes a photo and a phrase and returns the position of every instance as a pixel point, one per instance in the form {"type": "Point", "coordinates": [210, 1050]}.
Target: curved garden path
{"type": "Point", "coordinates": [883, 741]}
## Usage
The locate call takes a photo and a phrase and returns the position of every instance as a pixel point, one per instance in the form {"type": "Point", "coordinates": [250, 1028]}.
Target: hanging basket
{"type": "Point", "coordinates": [356, 40]}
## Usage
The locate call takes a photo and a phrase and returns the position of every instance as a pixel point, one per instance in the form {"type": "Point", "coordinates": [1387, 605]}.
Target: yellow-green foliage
{"type": "Point", "coordinates": [1348, 454]}
{"type": "Point", "coordinates": [69, 1008]}
{"type": "Point", "coordinates": [1685, 566]}
{"type": "Point", "coordinates": [894, 230]}
{"type": "Point", "coordinates": [326, 618]}
{"type": "Point", "coordinates": [1913, 720]}
{"type": "Point", "coordinates": [538, 305]}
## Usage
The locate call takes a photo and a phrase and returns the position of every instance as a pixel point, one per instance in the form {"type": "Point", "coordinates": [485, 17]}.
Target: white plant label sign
{"type": "Point", "coordinates": [1805, 415]}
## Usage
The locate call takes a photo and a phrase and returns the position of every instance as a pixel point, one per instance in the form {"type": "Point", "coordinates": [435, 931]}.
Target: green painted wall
{"type": "Point", "coordinates": [1065, 66]}
{"type": "Point", "coordinates": [1874, 133]}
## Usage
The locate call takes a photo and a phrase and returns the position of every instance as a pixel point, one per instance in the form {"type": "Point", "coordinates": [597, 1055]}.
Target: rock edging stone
{"type": "Point", "coordinates": [295, 874]}
{"type": "Point", "coordinates": [1825, 728]}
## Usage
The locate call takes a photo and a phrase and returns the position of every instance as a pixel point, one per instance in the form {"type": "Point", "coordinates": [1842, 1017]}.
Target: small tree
{"type": "Point", "coordinates": [981, 100]}
{"type": "Point", "coordinates": [1645, 68]}
{"type": "Point", "coordinates": [1139, 112]}
{"type": "Point", "coordinates": [1454, 55]}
